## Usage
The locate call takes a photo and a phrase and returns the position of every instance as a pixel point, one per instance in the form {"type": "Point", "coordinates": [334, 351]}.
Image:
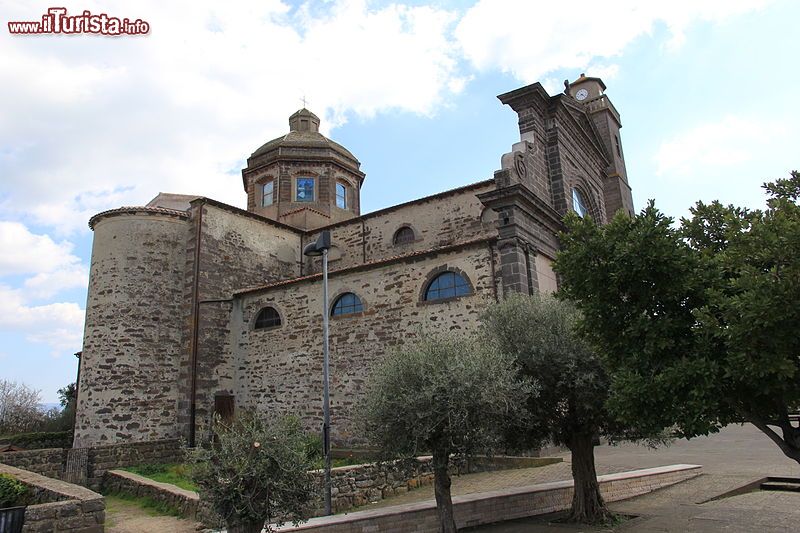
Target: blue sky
{"type": "Point", "coordinates": [707, 91]}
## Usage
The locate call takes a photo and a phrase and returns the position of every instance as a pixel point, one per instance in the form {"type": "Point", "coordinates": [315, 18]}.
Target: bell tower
{"type": "Point", "coordinates": [302, 178]}
{"type": "Point", "coordinates": [590, 92]}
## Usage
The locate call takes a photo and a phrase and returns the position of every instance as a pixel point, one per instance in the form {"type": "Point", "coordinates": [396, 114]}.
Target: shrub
{"type": "Point", "coordinates": [12, 491]}
{"type": "Point", "coordinates": [255, 472]}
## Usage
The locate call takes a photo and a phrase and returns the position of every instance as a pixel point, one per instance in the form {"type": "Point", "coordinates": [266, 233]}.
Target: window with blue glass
{"type": "Point", "coordinates": [305, 190]}
{"type": "Point", "coordinates": [347, 304]}
{"type": "Point", "coordinates": [447, 285]}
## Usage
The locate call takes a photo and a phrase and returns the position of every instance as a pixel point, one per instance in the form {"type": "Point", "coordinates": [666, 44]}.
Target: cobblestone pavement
{"type": "Point", "coordinates": [730, 459]}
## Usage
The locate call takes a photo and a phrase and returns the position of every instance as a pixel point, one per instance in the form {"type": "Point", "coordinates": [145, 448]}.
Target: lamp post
{"type": "Point", "coordinates": [316, 249]}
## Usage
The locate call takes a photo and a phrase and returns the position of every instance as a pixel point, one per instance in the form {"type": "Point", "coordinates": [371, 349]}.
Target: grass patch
{"type": "Point", "coordinates": [118, 502]}
{"type": "Point", "coordinates": [350, 461]}
{"type": "Point", "coordinates": [175, 474]}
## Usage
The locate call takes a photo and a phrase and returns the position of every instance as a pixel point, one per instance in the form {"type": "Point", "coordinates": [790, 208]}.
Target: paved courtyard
{"type": "Point", "coordinates": [735, 456]}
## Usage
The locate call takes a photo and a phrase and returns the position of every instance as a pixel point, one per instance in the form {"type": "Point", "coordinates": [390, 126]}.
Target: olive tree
{"type": "Point", "coordinates": [255, 472]}
{"type": "Point", "coordinates": [539, 332]}
{"type": "Point", "coordinates": [444, 395]}
{"type": "Point", "coordinates": [697, 323]}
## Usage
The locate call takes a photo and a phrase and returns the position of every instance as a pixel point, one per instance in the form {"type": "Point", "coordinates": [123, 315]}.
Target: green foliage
{"type": "Point", "coordinates": [539, 333]}
{"type": "Point", "coordinates": [445, 394]}
{"type": "Point", "coordinates": [313, 446]}
{"type": "Point", "coordinates": [21, 411]}
{"type": "Point", "coordinates": [12, 491]}
{"type": "Point", "coordinates": [697, 323]}
{"type": "Point", "coordinates": [178, 474]}
{"type": "Point", "coordinates": [40, 440]}
{"type": "Point", "coordinates": [255, 471]}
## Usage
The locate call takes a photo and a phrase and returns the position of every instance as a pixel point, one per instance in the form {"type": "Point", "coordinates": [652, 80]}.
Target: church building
{"type": "Point", "coordinates": [197, 307]}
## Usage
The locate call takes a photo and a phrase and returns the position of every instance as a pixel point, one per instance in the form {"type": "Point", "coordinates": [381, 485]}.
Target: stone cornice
{"type": "Point", "coordinates": [137, 210]}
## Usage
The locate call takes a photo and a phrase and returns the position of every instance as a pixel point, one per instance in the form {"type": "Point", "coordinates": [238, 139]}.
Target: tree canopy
{"type": "Point", "coordinates": [539, 332]}
{"type": "Point", "coordinates": [696, 322]}
{"type": "Point", "coordinates": [444, 395]}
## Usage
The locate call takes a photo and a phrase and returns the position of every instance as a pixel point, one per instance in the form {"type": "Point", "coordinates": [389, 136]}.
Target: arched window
{"type": "Point", "coordinates": [267, 193]}
{"type": "Point", "coordinates": [403, 236]}
{"type": "Point", "coordinates": [341, 195]}
{"type": "Point", "coordinates": [347, 304]}
{"type": "Point", "coordinates": [579, 204]}
{"type": "Point", "coordinates": [447, 285]}
{"type": "Point", "coordinates": [267, 318]}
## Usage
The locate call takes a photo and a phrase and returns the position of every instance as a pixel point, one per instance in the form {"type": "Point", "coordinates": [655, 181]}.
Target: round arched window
{"type": "Point", "coordinates": [267, 318]}
{"type": "Point", "coordinates": [404, 235]}
{"type": "Point", "coordinates": [447, 285]}
{"type": "Point", "coordinates": [579, 204]}
{"type": "Point", "coordinates": [347, 304]}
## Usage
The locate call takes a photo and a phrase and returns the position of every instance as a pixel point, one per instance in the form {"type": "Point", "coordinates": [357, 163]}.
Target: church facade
{"type": "Point", "coordinates": [197, 307]}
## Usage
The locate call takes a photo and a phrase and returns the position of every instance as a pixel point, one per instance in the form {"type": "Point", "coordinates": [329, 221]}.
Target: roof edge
{"type": "Point", "coordinates": [132, 210]}
{"type": "Point", "coordinates": [435, 196]}
{"type": "Point", "coordinates": [369, 265]}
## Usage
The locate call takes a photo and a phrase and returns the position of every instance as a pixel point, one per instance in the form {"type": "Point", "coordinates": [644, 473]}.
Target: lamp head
{"type": "Point", "coordinates": [316, 249]}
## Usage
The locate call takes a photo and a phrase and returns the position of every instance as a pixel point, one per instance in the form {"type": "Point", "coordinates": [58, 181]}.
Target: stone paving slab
{"type": "Point", "coordinates": [734, 457]}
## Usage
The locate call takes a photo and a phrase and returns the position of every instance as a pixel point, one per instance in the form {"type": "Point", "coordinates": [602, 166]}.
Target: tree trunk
{"type": "Point", "coordinates": [441, 484]}
{"type": "Point", "coordinates": [789, 442]}
{"type": "Point", "coordinates": [588, 506]}
{"type": "Point", "coordinates": [246, 527]}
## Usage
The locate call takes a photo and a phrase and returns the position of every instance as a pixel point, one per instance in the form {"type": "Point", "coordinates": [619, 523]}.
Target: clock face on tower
{"type": "Point", "coordinates": [581, 94]}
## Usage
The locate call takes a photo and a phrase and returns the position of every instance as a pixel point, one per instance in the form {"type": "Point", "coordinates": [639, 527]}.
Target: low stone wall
{"type": "Point", "coordinates": [60, 506]}
{"type": "Point", "coordinates": [185, 502]}
{"type": "Point", "coordinates": [46, 462]}
{"type": "Point", "coordinates": [105, 458]}
{"type": "Point", "coordinates": [491, 507]}
{"type": "Point", "coordinates": [353, 486]}
{"type": "Point", "coordinates": [52, 462]}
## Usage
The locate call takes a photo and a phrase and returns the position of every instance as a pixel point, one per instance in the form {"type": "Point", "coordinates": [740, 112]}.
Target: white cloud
{"type": "Point", "coordinates": [52, 264]}
{"type": "Point", "coordinates": [59, 325]}
{"type": "Point", "coordinates": [531, 39]}
{"type": "Point", "coordinates": [99, 122]}
{"type": "Point", "coordinates": [713, 147]}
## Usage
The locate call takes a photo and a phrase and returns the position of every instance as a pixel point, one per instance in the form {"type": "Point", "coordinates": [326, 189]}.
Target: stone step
{"type": "Point", "coordinates": [781, 483]}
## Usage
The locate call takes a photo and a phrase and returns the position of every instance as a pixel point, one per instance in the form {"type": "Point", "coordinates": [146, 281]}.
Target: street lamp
{"type": "Point", "coordinates": [316, 249]}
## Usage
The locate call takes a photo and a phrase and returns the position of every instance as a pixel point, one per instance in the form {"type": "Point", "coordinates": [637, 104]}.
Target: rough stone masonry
{"type": "Point", "coordinates": [197, 307]}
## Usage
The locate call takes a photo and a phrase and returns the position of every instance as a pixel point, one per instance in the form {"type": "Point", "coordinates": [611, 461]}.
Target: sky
{"type": "Point", "coordinates": [706, 89]}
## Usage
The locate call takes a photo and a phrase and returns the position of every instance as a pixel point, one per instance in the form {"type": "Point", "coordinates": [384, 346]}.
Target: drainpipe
{"type": "Point", "coordinates": [195, 327]}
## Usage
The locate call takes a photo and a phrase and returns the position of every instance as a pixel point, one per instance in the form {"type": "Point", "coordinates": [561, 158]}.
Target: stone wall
{"type": "Point", "coordinates": [498, 506]}
{"type": "Point", "coordinates": [439, 220]}
{"type": "Point", "coordinates": [52, 462]}
{"type": "Point", "coordinates": [357, 485]}
{"type": "Point", "coordinates": [187, 503]}
{"type": "Point", "coordinates": [351, 486]}
{"type": "Point", "coordinates": [133, 335]}
{"type": "Point", "coordinates": [46, 462]}
{"type": "Point", "coordinates": [236, 250]}
{"type": "Point", "coordinates": [278, 370]}
{"type": "Point", "coordinates": [105, 458]}
{"type": "Point", "coordinates": [60, 506]}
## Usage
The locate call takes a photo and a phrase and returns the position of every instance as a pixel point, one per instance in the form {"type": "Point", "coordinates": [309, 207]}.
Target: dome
{"type": "Point", "coordinates": [303, 134]}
